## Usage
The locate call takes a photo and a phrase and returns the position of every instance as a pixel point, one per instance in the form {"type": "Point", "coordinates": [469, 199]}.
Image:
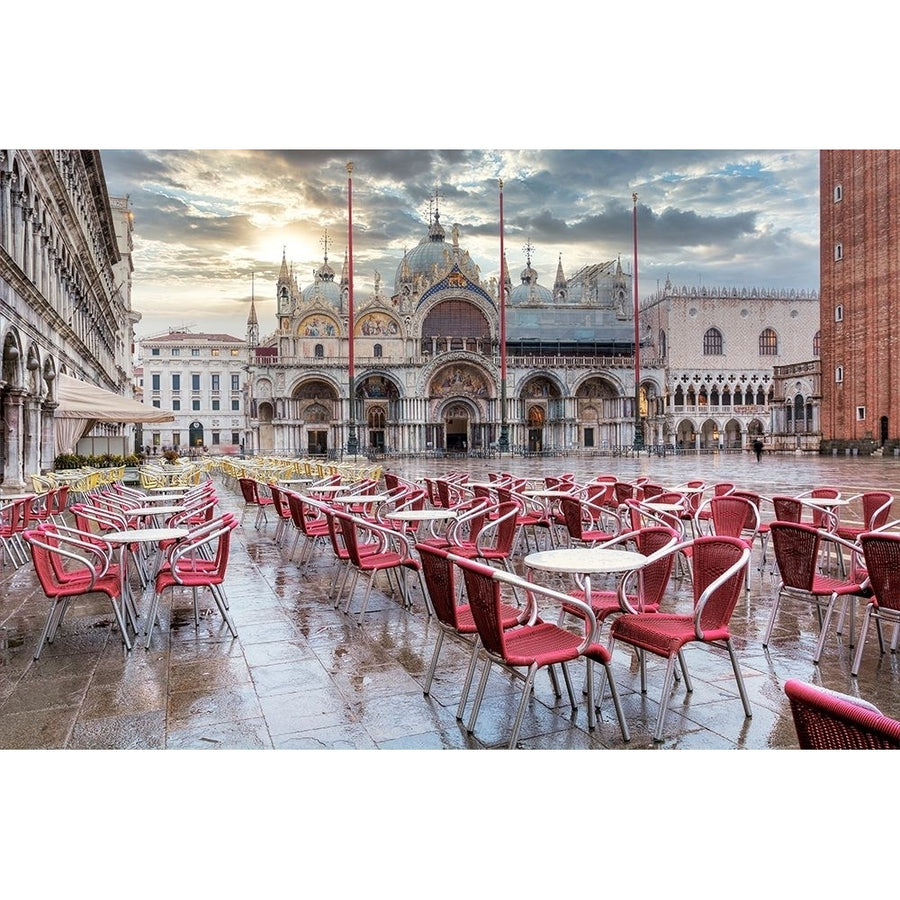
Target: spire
{"type": "Point", "coordinates": [345, 272]}
{"type": "Point", "coordinates": [561, 283]}
{"type": "Point", "coordinates": [252, 320]}
{"type": "Point", "coordinates": [284, 276]}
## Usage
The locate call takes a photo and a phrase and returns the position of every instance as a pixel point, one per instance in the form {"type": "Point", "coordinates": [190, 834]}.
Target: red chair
{"type": "Point", "coordinates": [827, 720]}
{"type": "Point", "coordinates": [876, 510]}
{"type": "Point", "coordinates": [454, 617]}
{"type": "Point", "coordinates": [799, 550]}
{"type": "Point", "coordinates": [392, 554]}
{"type": "Point", "coordinates": [583, 521]}
{"type": "Point", "coordinates": [254, 498]}
{"type": "Point", "coordinates": [282, 510]}
{"type": "Point", "coordinates": [654, 541]}
{"type": "Point", "coordinates": [719, 565]}
{"type": "Point", "coordinates": [494, 537]}
{"type": "Point", "coordinates": [11, 526]}
{"type": "Point", "coordinates": [730, 515]}
{"type": "Point", "coordinates": [198, 561]}
{"type": "Point", "coordinates": [68, 567]}
{"type": "Point", "coordinates": [787, 509]}
{"type": "Point", "coordinates": [309, 521]}
{"type": "Point", "coordinates": [532, 646]}
{"type": "Point", "coordinates": [881, 553]}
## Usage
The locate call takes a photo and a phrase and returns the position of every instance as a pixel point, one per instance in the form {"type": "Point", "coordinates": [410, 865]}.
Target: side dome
{"type": "Point", "coordinates": [529, 291]}
{"type": "Point", "coordinates": [323, 289]}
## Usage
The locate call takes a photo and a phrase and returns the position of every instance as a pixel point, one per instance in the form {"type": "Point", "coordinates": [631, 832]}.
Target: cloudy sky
{"type": "Point", "coordinates": [211, 225]}
{"type": "Point", "coordinates": [408, 77]}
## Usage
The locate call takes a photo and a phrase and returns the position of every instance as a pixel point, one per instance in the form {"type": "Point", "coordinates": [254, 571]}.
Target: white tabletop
{"type": "Point", "coordinates": [549, 494]}
{"type": "Point", "coordinates": [361, 498]}
{"type": "Point", "coordinates": [420, 515]}
{"type": "Point", "coordinates": [295, 480]}
{"type": "Point", "coordinates": [145, 535]}
{"type": "Point", "coordinates": [663, 507]}
{"type": "Point", "coordinates": [825, 502]}
{"type": "Point", "coordinates": [172, 487]}
{"type": "Point", "coordinates": [155, 511]}
{"type": "Point", "coordinates": [164, 498]}
{"type": "Point", "coordinates": [326, 488]}
{"type": "Point", "coordinates": [586, 560]}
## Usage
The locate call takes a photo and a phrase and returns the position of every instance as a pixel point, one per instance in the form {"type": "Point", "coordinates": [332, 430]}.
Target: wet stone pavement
{"type": "Point", "coordinates": [302, 675]}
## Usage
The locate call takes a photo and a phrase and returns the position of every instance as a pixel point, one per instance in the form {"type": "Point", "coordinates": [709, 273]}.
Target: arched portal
{"type": "Point", "coordinates": [535, 429]}
{"type": "Point", "coordinates": [316, 404]}
{"type": "Point", "coordinates": [266, 415]}
{"type": "Point", "coordinates": [376, 419]}
{"type": "Point", "coordinates": [456, 428]}
{"type": "Point", "coordinates": [195, 434]}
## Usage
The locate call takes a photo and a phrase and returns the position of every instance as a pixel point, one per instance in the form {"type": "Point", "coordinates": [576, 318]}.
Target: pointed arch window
{"type": "Point", "coordinates": [768, 342]}
{"type": "Point", "coordinates": [712, 342]}
{"type": "Point", "coordinates": [816, 344]}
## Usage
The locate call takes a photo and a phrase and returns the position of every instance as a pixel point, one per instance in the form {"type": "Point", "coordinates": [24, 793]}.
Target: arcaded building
{"type": "Point", "coordinates": [860, 302]}
{"type": "Point", "coordinates": [65, 296]}
{"type": "Point", "coordinates": [718, 349]}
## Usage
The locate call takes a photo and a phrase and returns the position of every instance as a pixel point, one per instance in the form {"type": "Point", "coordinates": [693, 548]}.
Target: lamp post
{"type": "Point", "coordinates": [352, 440]}
{"type": "Point", "coordinates": [638, 430]}
{"type": "Point", "coordinates": [503, 442]}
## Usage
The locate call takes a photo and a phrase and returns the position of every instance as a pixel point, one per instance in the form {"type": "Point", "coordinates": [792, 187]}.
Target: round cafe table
{"type": "Point", "coordinates": [420, 516]}
{"type": "Point", "coordinates": [151, 536]}
{"type": "Point", "coordinates": [583, 562]}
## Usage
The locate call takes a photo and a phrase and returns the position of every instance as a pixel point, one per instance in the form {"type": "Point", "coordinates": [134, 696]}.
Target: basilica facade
{"type": "Point", "coordinates": [427, 362]}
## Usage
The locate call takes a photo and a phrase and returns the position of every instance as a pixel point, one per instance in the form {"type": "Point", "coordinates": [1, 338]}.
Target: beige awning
{"type": "Point", "coordinates": [82, 405]}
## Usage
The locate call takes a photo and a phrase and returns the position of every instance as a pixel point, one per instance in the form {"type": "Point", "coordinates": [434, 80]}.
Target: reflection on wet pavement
{"type": "Point", "coordinates": [303, 675]}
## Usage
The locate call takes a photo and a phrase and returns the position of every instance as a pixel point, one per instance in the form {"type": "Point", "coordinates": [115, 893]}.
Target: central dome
{"type": "Point", "coordinates": [431, 251]}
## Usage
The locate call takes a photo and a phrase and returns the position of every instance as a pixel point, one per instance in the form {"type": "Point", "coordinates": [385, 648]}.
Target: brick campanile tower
{"type": "Point", "coordinates": [860, 298]}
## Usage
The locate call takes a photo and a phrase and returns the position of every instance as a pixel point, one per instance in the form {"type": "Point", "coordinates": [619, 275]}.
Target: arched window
{"type": "Point", "coordinates": [768, 342]}
{"type": "Point", "coordinates": [377, 351]}
{"type": "Point", "coordinates": [319, 351]}
{"type": "Point", "coordinates": [712, 342]}
{"type": "Point", "coordinates": [662, 344]}
{"type": "Point", "coordinates": [816, 344]}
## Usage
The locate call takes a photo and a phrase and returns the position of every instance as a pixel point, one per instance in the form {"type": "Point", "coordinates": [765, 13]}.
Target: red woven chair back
{"type": "Point", "coordinates": [440, 580]}
{"type": "Point", "coordinates": [882, 556]}
{"type": "Point", "coordinates": [349, 534]}
{"type": "Point", "coordinates": [503, 532]}
{"type": "Point", "coordinates": [873, 514]}
{"type": "Point", "coordinates": [825, 720]}
{"type": "Point", "coordinates": [249, 490]}
{"type": "Point", "coordinates": [711, 557]}
{"type": "Point", "coordinates": [280, 501]}
{"type": "Point", "coordinates": [485, 604]}
{"type": "Point", "coordinates": [787, 509]}
{"type": "Point", "coordinates": [574, 516]}
{"type": "Point", "coordinates": [656, 575]}
{"type": "Point", "coordinates": [796, 547]}
{"type": "Point", "coordinates": [730, 514]}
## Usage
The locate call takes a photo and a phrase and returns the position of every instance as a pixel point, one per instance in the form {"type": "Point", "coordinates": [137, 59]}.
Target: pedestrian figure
{"type": "Point", "coordinates": [758, 449]}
